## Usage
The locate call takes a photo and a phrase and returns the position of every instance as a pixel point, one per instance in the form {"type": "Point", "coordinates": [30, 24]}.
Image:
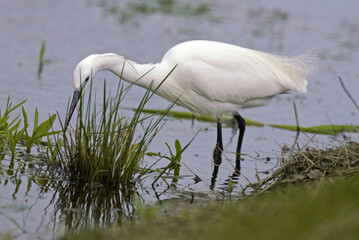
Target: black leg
{"type": "Point", "coordinates": [242, 127]}
{"type": "Point", "coordinates": [214, 177]}
{"type": "Point", "coordinates": [217, 153]}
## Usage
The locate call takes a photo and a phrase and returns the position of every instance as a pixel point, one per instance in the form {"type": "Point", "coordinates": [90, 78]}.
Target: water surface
{"type": "Point", "coordinates": [30, 204]}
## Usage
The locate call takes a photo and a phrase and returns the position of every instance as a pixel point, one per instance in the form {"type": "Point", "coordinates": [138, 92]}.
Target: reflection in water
{"type": "Point", "coordinates": [228, 183]}
{"type": "Point", "coordinates": [84, 207]}
{"type": "Point", "coordinates": [32, 188]}
{"type": "Point", "coordinates": [32, 169]}
{"type": "Point", "coordinates": [26, 188]}
{"type": "Point", "coordinates": [24, 182]}
{"type": "Point", "coordinates": [45, 193]}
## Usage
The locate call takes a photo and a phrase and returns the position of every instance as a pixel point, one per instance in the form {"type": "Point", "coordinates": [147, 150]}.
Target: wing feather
{"type": "Point", "coordinates": [225, 73]}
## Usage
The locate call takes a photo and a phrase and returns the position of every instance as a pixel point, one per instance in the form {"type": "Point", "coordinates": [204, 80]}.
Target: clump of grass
{"type": "Point", "coordinates": [103, 147]}
{"type": "Point", "coordinates": [313, 163]}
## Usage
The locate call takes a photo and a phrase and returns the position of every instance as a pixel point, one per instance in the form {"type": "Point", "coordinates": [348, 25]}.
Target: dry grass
{"type": "Point", "coordinates": [312, 163]}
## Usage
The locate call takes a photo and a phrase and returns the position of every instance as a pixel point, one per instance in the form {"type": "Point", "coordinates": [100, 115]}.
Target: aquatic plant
{"type": "Point", "coordinates": [103, 147]}
{"type": "Point", "coordinates": [12, 134]}
{"type": "Point", "coordinates": [320, 129]}
{"type": "Point", "coordinates": [42, 60]}
{"type": "Point", "coordinates": [158, 6]}
{"type": "Point", "coordinates": [39, 130]}
{"type": "Point", "coordinates": [9, 133]}
{"type": "Point", "coordinates": [4, 119]}
{"type": "Point", "coordinates": [174, 158]}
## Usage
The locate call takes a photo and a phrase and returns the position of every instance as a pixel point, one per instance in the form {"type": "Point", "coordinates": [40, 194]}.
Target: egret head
{"type": "Point", "coordinates": [83, 74]}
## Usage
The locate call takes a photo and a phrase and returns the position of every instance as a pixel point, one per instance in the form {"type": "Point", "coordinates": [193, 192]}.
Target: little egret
{"type": "Point", "coordinates": [211, 78]}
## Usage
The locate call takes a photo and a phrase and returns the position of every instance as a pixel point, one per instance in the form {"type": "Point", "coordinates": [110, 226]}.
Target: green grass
{"type": "Point", "coordinates": [105, 147]}
{"type": "Point", "coordinates": [320, 129]}
{"type": "Point", "coordinates": [14, 129]}
{"type": "Point", "coordinates": [326, 209]}
{"type": "Point", "coordinates": [199, 117]}
{"type": "Point", "coordinates": [42, 60]}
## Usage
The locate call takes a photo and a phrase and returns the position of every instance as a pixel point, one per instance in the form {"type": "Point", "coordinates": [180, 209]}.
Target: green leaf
{"type": "Point", "coordinates": [198, 117]}
{"type": "Point", "coordinates": [16, 106]}
{"type": "Point", "coordinates": [43, 129]}
{"type": "Point", "coordinates": [41, 58]}
{"type": "Point", "coordinates": [16, 126]}
{"type": "Point", "coordinates": [178, 146]}
{"type": "Point", "coordinates": [8, 110]}
{"type": "Point", "coordinates": [169, 149]}
{"type": "Point", "coordinates": [53, 133]}
{"type": "Point", "coordinates": [13, 138]}
{"type": "Point", "coordinates": [12, 122]}
{"type": "Point", "coordinates": [42, 51]}
{"type": "Point", "coordinates": [26, 123]}
{"type": "Point", "coordinates": [151, 154]}
{"type": "Point", "coordinates": [3, 122]}
{"type": "Point", "coordinates": [40, 131]}
{"type": "Point", "coordinates": [322, 129]}
{"type": "Point", "coordinates": [36, 120]}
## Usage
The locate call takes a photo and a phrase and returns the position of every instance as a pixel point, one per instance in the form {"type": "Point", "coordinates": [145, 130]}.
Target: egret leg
{"type": "Point", "coordinates": [214, 177]}
{"type": "Point", "coordinates": [242, 127]}
{"type": "Point", "coordinates": [217, 153]}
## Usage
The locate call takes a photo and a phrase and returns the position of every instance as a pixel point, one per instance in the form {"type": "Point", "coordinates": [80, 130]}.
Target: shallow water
{"type": "Point", "coordinates": [73, 30]}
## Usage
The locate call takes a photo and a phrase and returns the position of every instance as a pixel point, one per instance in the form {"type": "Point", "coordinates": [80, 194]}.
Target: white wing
{"type": "Point", "coordinates": [224, 73]}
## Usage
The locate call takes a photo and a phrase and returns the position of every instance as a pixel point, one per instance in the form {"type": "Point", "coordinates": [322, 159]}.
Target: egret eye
{"type": "Point", "coordinates": [86, 79]}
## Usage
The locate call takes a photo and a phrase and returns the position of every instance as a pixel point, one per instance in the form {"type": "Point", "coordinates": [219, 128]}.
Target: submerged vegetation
{"type": "Point", "coordinates": [134, 8]}
{"type": "Point", "coordinates": [320, 129]}
{"type": "Point", "coordinates": [42, 60]}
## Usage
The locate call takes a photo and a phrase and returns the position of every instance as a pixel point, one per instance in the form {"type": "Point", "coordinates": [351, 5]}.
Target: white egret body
{"type": "Point", "coordinates": [211, 78]}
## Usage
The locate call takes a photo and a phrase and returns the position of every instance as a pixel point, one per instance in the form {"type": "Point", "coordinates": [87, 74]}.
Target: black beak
{"type": "Point", "coordinates": [75, 99]}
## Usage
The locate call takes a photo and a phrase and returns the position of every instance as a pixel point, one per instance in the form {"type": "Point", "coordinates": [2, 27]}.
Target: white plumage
{"type": "Point", "coordinates": [211, 78]}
